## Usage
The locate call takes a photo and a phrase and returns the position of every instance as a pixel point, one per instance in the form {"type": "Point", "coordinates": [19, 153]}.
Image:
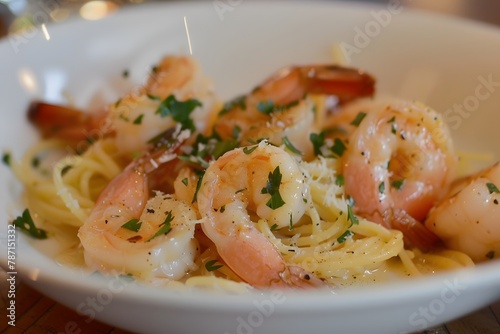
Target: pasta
{"type": "Point", "coordinates": [226, 166]}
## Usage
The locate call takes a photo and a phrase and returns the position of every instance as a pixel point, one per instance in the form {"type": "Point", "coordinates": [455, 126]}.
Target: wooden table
{"type": "Point", "coordinates": [39, 314]}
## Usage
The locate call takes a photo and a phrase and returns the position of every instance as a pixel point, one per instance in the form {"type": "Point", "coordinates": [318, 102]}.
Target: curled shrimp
{"type": "Point", "coordinates": [177, 84]}
{"type": "Point", "coordinates": [137, 118]}
{"type": "Point", "coordinates": [398, 162]}
{"type": "Point", "coordinates": [468, 219]}
{"type": "Point", "coordinates": [280, 108]}
{"type": "Point", "coordinates": [129, 232]}
{"type": "Point", "coordinates": [262, 181]}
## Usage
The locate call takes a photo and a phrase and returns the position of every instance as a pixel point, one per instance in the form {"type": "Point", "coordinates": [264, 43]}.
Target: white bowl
{"type": "Point", "coordinates": [447, 63]}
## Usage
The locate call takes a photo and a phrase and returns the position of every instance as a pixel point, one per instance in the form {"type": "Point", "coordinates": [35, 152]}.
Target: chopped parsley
{"type": "Point", "coordinates": [272, 188]}
{"type": "Point", "coordinates": [290, 226]}
{"type": "Point", "coordinates": [153, 97]}
{"type": "Point", "coordinates": [239, 101]}
{"type": "Point", "coordinates": [318, 140]}
{"type": "Point", "coordinates": [179, 110]}
{"type": "Point", "coordinates": [35, 162]}
{"type": "Point", "coordinates": [222, 147]}
{"type": "Point", "coordinates": [211, 265]}
{"type": "Point", "coordinates": [398, 184]}
{"type": "Point", "coordinates": [393, 128]}
{"type": "Point", "coordinates": [392, 119]}
{"type": "Point", "coordinates": [6, 158]}
{"type": "Point", "coordinates": [26, 224]}
{"type": "Point", "coordinates": [290, 146]}
{"type": "Point", "coordinates": [165, 227]}
{"type": "Point", "coordinates": [381, 187]}
{"type": "Point", "coordinates": [339, 180]}
{"type": "Point", "coordinates": [248, 150]}
{"type": "Point", "coordinates": [268, 107]}
{"type": "Point", "coordinates": [490, 255]}
{"type": "Point", "coordinates": [265, 107]}
{"type": "Point", "coordinates": [133, 225]}
{"type": "Point", "coordinates": [185, 181]}
{"type": "Point", "coordinates": [125, 73]}
{"type": "Point", "coordinates": [274, 227]}
{"type": "Point", "coordinates": [344, 236]}
{"type": "Point", "coordinates": [338, 147]}
{"type": "Point", "coordinates": [351, 216]}
{"type": "Point", "coordinates": [138, 120]}
{"type": "Point", "coordinates": [198, 185]}
{"type": "Point", "coordinates": [358, 119]}
{"type": "Point", "coordinates": [492, 188]}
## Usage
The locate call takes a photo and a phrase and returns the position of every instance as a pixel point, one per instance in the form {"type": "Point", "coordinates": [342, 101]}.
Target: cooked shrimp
{"type": "Point", "coordinates": [265, 182]}
{"type": "Point", "coordinates": [280, 108]}
{"type": "Point", "coordinates": [176, 85]}
{"type": "Point", "coordinates": [398, 162]}
{"type": "Point", "coordinates": [67, 123]}
{"type": "Point", "coordinates": [130, 233]}
{"type": "Point", "coordinates": [468, 220]}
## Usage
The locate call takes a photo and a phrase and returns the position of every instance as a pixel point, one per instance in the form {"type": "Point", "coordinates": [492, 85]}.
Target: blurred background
{"type": "Point", "coordinates": [17, 15]}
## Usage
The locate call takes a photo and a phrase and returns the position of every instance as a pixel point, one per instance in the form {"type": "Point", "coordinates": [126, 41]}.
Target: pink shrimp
{"type": "Point", "coordinates": [130, 232]}
{"type": "Point", "coordinates": [280, 108]}
{"type": "Point", "coordinates": [468, 219]}
{"type": "Point", "coordinates": [232, 191]}
{"type": "Point", "coordinates": [398, 163]}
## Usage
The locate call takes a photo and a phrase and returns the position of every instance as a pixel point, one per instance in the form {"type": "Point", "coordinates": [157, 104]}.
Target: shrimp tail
{"type": "Point", "coordinates": [67, 123]}
{"type": "Point", "coordinates": [415, 233]}
{"type": "Point", "coordinates": [294, 82]}
{"type": "Point", "coordinates": [346, 83]}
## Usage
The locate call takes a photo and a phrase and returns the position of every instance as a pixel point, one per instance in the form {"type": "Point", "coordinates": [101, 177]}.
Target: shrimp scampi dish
{"type": "Point", "coordinates": [306, 181]}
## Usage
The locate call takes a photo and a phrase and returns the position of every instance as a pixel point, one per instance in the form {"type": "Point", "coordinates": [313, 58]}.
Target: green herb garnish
{"type": "Point", "coordinates": [133, 225]}
{"type": "Point", "coordinates": [492, 188]}
{"type": "Point", "coordinates": [318, 140]}
{"type": "Point", "coordinates": [358, 119]}
{"type": "Point", "coordinates": [165, 227]}
{"type": "Point", "coordinates": [272, 188]}
{"type": "Point", "coordinates": [6, 158]}
{"type": "Point", "coordinates": [268, 107]}
{"type": "Point", "coordinates": [239, 101]}
{"type": "Point", "coordinates": [248, 150]}
{"type": "Point", "coordinates": [222, 147]}
{"type": "Point", "coordinates": [339, 180]}
{"type": "Point", "coordinates": [138, 120]}
{"type": "Point", "coordinates": [344, 236]}
{"type": "Point", "coordinates": [398, 184]}
{"type": "Point", "coordinates": [265, 107]}
{"type": "Point", "coordinates": [210, 265]}
{"type": "Point", "coordinates": [198, 185]}
{"type": "Point", "coordinates": [338, 147]}
{"type": "Point", "coordinates": [381, 187]}
{"type": "Point", "coordinates": [350, 216]}
{"type": "Point", "coordinates": [290, 146]}
{"type": "Point", "coordinates": [26, 224]}
{"type": "Point", "coordinates": [179, 110]}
